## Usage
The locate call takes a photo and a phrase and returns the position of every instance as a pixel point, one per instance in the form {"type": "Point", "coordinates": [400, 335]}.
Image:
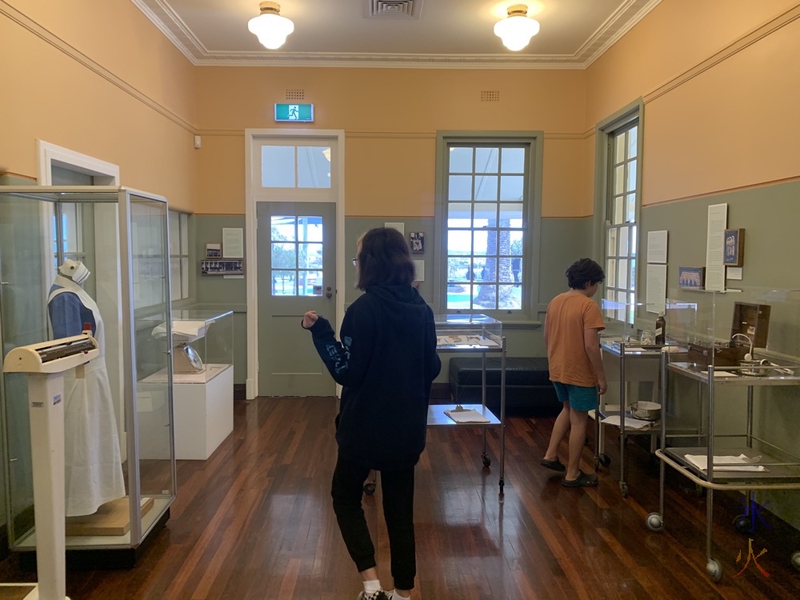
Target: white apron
{"type": "Point", "coordinates": [92, 460]}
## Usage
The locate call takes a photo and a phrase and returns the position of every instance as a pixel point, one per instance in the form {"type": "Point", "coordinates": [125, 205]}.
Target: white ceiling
{"type": "Point", "coordinates": [439, 34]}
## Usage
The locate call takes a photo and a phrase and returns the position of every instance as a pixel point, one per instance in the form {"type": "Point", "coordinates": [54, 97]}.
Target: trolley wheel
{"type": "Point", "coordinates": [654, 522]}
{"type": "Point", "coordinates": [623, 487]}
{"type": "Point", "coordinates": [369, 489]}
{"type": "Point", "coordinates": [795, 560]}
{"type": "Point", "coordinates": [502, 485]}
{"type": "Point", "coordinates": [486, 460]}
{"type": "Point", "coordinates": [714, 570]}
{"type": "Point", "coordinates": [605, 460]}
{"type": "Point", "coordinates": [743, 524]}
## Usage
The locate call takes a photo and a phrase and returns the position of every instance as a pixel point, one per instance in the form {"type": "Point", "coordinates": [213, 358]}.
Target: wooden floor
{"type": "Point", "coordinates": [254, 522]}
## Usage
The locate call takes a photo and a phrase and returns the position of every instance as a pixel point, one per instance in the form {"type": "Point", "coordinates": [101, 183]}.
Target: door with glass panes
{"type": "Point", "coordinates": [296, 273]}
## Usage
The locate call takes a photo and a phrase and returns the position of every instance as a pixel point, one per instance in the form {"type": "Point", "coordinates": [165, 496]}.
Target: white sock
{"type": "Point", "coordinates": [372, 586]}
{"type": "Point", "coordinates": [396, 596]}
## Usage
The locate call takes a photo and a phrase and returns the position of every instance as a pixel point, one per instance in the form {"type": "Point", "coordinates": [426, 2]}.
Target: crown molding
{"type": "Point", "coordinates": [627, 15]}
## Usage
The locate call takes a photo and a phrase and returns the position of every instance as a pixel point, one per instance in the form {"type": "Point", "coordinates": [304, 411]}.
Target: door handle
{"type": "Point", "coordinates": [328, 292]}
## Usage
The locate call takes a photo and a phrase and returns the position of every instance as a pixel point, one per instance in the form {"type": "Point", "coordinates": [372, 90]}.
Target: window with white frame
{"type": "Point", "coordinates": [622, 208]}
{"type": "Point", "coordinates": [179, 254]}
{"type": "Point", "coordinates": [68, 233]}
{"type": "Point", "coordinates": [485, 207]}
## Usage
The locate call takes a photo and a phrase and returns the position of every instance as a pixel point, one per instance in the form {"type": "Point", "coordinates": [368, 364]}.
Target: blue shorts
{"type": "Point", "coordinates": [579, 397]}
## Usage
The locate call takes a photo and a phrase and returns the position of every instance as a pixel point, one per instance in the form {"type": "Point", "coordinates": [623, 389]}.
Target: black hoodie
{"type": "Point", "coordinates": [386, 362]}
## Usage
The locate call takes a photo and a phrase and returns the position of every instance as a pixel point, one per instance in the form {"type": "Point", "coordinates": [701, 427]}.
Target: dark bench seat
{"type": "Point", "coordinates": [528, 387]}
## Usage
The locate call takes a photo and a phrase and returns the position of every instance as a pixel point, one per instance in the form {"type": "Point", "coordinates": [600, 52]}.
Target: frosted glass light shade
{"type": "Point", "coordinates": [270, 28]}
{"type": "Point", "coordinates": [516, 31]}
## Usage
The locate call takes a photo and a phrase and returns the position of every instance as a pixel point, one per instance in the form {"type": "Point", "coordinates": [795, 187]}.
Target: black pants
{"type": "Point", "coordinates": [398, 511]}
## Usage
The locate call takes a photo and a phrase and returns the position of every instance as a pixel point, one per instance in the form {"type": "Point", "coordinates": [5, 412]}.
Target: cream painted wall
{"type": "Point", "coordinates": [87, 103]}
{"type": "Point", "coordinates": [719, 99]}
{"type": "Point", "coordinates": [390, 118]}
{"type": "Point", "coordinates": [566, 188]}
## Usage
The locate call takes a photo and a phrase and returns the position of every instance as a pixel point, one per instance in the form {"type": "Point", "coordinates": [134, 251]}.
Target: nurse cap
{"type": "Point", "coordinates": [75, 270]}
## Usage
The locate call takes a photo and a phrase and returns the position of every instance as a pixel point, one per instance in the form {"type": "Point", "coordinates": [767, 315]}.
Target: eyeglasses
{"type": "Point", "coordinates": [355, 262]}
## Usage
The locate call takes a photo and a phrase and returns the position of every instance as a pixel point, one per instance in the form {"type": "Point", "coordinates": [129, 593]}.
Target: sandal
{"type": "Point", "coordinates": [583, 480]}
{"type": "Point", "coordinates": [554, 465]}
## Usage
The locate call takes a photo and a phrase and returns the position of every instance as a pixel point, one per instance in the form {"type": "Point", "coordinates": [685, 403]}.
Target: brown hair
{"type": "Point", "coordinates": [384, 259]}
{"type": "Point", "coordinates": [584, 271]}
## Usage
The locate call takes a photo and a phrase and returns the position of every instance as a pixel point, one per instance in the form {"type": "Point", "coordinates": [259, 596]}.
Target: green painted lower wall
{"type": "Point", "coordinates": [214, 292]}
{"type": "Point", "coordinates": [563, 241]}
{"type": "Point", "coordinates": [772, 248]}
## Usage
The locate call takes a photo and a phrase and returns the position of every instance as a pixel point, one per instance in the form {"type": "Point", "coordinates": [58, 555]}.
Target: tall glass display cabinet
{"type": "Point", "coordinates": [121, 237]}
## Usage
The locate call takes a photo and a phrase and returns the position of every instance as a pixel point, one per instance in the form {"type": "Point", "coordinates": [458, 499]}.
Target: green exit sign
{"type": "Point", "coordinates": [294, 113]}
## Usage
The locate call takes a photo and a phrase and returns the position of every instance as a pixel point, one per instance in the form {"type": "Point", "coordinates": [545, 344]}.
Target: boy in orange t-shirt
{"type": "Point", "coordinates": [572, 336]}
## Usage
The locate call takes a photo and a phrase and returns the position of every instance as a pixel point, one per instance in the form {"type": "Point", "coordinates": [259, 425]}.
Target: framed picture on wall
{"type": "Point", "coordinates": [692, 277]}
{"type": "Point", "coordinates": [417, 241]}
{"type": "Point", "coordinates": [213, 250]}
{"type": "Point", "coordinates": [734, 247]}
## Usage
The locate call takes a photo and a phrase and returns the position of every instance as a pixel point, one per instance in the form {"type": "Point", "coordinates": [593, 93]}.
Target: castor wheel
{"type": "Point", "coordinates": [795, 560]}
{"type": "Point", "coordinates": [604, 459]}
{"type": "Point", "coordinates": [369, 489]}
{"type": "Point", "coordinates": [743, 524]}
{"type": "Point", "coordinates": [486, 460]}
{"type": "Point", "coordinates": [654, 522]}
{"type": "Point", "coordinates": [714, 570]}
{"type": "Point", "coordinates": [623, 487]}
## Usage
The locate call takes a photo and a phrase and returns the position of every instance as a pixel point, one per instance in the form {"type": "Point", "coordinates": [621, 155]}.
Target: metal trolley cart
{"type": "Point", "coordinates": [473, 334]}
{"type": "Point", "coordinates": [720, 369]}
{"type": "Point", "coordinates": [644, 362]}
{"type": "Point", "coordinates": [635, 364]}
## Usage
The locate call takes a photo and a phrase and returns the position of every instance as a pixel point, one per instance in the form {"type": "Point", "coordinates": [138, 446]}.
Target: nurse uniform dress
{"type": "Point", "coordinates": [93, 465]}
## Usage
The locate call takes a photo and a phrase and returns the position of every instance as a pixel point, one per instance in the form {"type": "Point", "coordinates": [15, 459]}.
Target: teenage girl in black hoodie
{"type": "Point", "coordinates": [386, 361]}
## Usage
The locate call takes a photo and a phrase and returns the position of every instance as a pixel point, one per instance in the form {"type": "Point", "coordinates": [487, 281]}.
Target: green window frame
{"type": "Point", "coordinates": [488, 217]}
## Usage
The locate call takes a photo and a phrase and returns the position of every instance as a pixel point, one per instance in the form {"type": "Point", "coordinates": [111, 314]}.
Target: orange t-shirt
{"type": "Point", "coordinates": [568, 316]}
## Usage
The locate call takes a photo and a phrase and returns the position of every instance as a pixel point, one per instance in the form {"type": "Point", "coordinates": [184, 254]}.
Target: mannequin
{"type": "Point", "coordinates": [93, 464]}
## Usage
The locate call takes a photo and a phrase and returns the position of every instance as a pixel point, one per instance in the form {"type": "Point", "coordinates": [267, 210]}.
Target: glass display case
{"type": "Point", "coordinates": [202, 361]}
{"type": "Point", "coordinates": [99, 255]}
{"type": "Point", "coordinates": [741, 358]}
{"type": "Point", "coordinates": [465, 333]}
{"type": "Point", "coordinates": [473, 334]}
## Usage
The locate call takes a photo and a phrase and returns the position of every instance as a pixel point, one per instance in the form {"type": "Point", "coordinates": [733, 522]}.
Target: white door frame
{"type": "Point", "coordinates": [105, 173]}
{"type": "Point", "coordinates": [252, 138]}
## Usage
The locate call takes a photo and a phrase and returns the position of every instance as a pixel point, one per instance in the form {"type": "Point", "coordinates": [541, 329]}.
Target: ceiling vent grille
{"type": "Point", "coordinates": [490, 96]}
{"type": "Point", "coordinates": [295, 94]}
{"type": "Point", "coordinates": [409, 9]}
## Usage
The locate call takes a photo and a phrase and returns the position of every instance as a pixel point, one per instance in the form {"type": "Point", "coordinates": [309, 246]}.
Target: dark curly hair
{"type": "Point", "coordinates": [584, 271]}
{"type": "Point", "coordinates": [384, 259]}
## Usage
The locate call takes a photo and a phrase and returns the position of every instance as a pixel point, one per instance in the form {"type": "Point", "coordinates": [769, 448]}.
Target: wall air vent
{"type": "Point", "coordinates": [295, 94]}
{"type": "Point", "coordinates": [379, 9]}
{"type": "Point", "coordinates": [490, 96]}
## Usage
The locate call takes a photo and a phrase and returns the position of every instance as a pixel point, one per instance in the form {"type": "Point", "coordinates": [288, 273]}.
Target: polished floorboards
{"type": "Point", "coordinates": [254, 522]}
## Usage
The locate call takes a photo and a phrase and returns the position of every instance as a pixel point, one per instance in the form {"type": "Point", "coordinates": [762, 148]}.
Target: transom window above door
{"type": "Point", "coordinates": [295, 166]}
{"type": "Point", "coordinates": [296, 247]}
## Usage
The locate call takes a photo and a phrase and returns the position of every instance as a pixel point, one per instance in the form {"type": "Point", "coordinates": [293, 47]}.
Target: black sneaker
{"type": "Point", "coordinates": [379, 595]}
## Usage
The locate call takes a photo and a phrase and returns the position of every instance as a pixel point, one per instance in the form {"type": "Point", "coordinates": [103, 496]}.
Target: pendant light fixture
{"type": "Point", "coordinates": [270, 27]}
{"type": "Point", "coordinates": [517, 30]}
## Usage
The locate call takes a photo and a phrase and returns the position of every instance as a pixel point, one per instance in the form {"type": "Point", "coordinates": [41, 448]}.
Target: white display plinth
{"type": "Point", "coordinates": [203, 408]}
